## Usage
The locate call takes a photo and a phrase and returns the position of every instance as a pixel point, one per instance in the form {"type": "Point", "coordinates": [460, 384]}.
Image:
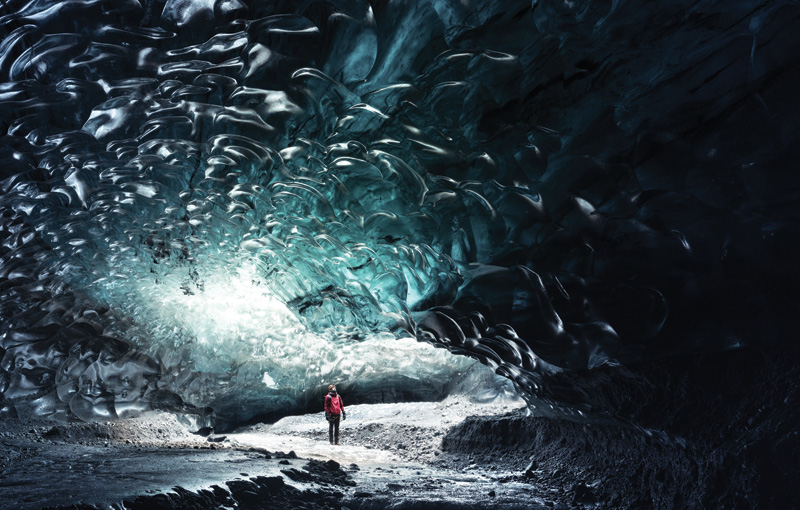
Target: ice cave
{"type": "Point", "coordinates": [544, 248]}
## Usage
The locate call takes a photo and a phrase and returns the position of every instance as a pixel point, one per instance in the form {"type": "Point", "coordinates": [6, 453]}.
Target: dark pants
{"type": "Point", "coordinates": [333, 428]}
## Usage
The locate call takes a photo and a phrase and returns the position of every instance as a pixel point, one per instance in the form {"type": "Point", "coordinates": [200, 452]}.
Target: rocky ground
{"type": "Point", "coordinates": [679, 450]}
{"type": "Point", "coordinates": [451, 454]}
{"type": "Point", "coordinates": [391, 456]}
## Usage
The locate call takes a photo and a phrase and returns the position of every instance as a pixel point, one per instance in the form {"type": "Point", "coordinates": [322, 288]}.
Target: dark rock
{"type": "Point", "coordinates": [243, 491]}
{"type": "Point", "coordinates": [582, 494]}
{"type": "Point", "coordinates": [203, 431]}
{"type": "Point", "coordinates": [269, 484]}
{"type": "Point", "coordinates": [54, 432]}
{"type": "Point", "coordinates": [531, 468]}
{"type": "Point", "coordinates": [264, 452]}
{"type": "Point", "coordinates": [157, 502]}
{"type": "Point", "coordinates": [298, 476]}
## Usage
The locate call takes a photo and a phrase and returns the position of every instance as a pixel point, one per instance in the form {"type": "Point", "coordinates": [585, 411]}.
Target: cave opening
{"type": "Point", "coordinates": [559, 237]}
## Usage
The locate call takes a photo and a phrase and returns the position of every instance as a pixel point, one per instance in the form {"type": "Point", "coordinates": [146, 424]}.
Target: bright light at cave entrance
{"type": "Point", "coordinates": [221, 308]}
{"type": "Point", "coordinates": [230, 322]}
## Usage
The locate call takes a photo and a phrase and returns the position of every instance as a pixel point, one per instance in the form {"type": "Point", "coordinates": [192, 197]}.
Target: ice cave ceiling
{"type": "Point", "coordinates": [231, 204]}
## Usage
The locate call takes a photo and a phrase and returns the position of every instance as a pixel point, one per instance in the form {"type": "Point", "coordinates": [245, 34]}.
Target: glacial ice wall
{"type": "Point", "coordinates": [229, 204]}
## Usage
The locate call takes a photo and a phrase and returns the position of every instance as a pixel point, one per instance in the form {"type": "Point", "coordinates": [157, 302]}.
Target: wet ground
{"type": "Point", "coordinates": [451, 455]}
{"type": "Point", "coordinates": [390, 456]}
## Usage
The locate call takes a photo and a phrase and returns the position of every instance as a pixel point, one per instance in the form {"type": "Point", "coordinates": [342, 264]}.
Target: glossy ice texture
{"type": "Point", "coordinates": [230, 204]}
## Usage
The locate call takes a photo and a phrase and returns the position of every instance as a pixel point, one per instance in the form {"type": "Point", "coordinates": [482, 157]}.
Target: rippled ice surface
{"type": "Point", "coordinates": [231, 204]}
{"type": "Point", "coordinates": [194, 215]}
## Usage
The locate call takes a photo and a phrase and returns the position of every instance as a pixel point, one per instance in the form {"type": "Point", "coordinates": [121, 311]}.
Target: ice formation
{"type": "Point", "coordinates": [229, 204]}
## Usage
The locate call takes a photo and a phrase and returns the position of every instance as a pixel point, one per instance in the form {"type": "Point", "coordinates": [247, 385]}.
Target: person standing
{"type": "Point", "coordinates": [334, 410]}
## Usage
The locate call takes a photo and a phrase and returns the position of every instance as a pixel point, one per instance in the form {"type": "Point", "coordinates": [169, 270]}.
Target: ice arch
{"type": "Point", "coordinates": [538, 185]}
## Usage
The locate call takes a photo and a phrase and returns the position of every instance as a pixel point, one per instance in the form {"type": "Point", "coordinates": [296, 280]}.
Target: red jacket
{"type": "Point", "coordinates": [334, 404]}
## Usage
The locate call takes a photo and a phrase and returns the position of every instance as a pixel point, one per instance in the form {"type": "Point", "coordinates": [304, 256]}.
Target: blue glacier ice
{"type": "Point", "coordinates": [219, 207]}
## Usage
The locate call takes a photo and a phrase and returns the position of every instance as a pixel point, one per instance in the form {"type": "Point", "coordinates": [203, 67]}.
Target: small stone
{"type": "Point", "coordinates": [583, 494]}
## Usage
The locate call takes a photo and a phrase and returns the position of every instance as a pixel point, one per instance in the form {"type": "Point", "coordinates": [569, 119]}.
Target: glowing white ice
{"type": "Point", "coordinates": [229, 320]}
